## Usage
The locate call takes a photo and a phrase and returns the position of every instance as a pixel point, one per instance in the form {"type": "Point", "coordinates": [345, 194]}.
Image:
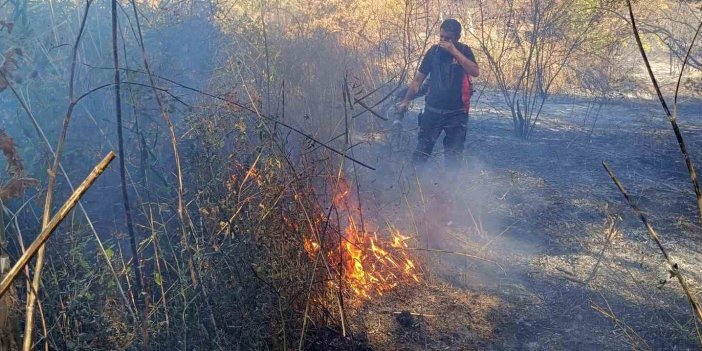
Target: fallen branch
{"type": "Point", "coordinates": [53, 224]}
{"type": "Point", "coordinates": [673, 267]}
{"type": "Point", "coordinates": [369, 109]}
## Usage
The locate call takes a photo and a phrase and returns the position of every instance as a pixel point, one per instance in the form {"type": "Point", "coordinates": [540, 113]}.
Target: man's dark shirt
{"type": "Point", "coordinates": [445, 77]}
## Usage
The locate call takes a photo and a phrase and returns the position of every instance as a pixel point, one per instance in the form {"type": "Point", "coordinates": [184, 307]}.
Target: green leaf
{"type": "Point", "coordinates": [109, 253]}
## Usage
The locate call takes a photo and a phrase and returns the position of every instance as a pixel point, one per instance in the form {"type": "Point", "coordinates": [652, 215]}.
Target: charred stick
{"type": "Point", "coordinates": [671, 117]}
{"type": "Point", "coordinates": [357, 101]}
{"type": "Point", "coordinates": [673, 267]}
{"type": "Point", "coordinates": [138, 277]}
{"type": "Point", "coordinates": [346, 112]}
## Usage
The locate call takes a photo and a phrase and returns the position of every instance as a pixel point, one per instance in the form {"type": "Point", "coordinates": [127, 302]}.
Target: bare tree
{"type": "Point", "coordinates": [528, 46]}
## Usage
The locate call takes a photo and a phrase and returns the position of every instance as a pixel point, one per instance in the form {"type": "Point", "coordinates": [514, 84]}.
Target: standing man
{"type": "Point", "coordinates": [449, 65]}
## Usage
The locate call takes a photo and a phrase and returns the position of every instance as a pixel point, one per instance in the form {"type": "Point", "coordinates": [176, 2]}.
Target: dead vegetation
{"type": "Point", "coordinates": [258, 207]}
{"type": "Point", "coordinates": [14, 188]}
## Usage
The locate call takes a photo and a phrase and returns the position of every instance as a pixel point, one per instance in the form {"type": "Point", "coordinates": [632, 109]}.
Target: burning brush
{"type": "Point", "coordinates": [366, 264]}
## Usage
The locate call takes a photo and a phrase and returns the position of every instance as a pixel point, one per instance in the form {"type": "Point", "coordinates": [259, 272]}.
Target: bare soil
{"type": "Point", "coordinates": [518, 256]}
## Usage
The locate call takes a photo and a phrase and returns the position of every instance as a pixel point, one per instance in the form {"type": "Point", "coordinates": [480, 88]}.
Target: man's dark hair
{"type": "Point", "coordinates": [451, 25]}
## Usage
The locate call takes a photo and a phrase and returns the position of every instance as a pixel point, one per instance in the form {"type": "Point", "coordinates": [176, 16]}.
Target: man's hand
{"type": "Point", "coordinates": [401, 106]}
{"type": "Point", "coordinates": [448, 46]}
{"type": "Point", "coordinates": [469, 66]}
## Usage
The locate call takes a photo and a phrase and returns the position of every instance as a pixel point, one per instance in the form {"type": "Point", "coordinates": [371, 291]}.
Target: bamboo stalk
{"type": "Point", "coordinates": [54, 222]}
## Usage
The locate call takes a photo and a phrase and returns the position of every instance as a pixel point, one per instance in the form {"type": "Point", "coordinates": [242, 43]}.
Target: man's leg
{"type": "Point", "coordinates": [455, 127]}
{"type": "Point", "coordinates": [429, 130]}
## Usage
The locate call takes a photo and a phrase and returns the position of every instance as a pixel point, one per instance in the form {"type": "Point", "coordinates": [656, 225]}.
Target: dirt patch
{"type": "Point", "coordinates": [431, 316]}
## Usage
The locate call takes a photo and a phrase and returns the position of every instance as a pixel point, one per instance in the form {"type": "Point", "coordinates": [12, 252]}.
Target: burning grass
{"type": "Point", "coordinates": [368, 262]}
{"type": "Point", "coordinates": [295, 251]}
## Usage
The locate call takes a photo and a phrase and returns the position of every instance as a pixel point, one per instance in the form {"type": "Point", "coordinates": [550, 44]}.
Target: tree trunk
{"type": "Point", "coordinates": [522, 125]}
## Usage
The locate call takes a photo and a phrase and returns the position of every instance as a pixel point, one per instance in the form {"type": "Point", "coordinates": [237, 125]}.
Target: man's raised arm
{"type": "Point", "coordinates": [469, 66]}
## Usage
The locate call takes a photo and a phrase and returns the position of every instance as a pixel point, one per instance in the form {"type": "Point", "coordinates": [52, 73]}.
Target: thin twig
{"type": "Point", "coordinates": [682, 69]}
{"type": "Point", "coordinates": [635, 340]}
{"type": "Point", "coordinates": [610, 230]}
{"type": "Point", "coordinates": [174, 144]}
{"type": "Point", "coordinates": [359, 102]}
{"type": "Point", "coordinates": [257, 113]}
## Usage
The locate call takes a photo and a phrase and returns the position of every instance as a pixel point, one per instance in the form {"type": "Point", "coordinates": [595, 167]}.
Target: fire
{"type": "Point", "coordinates": [311, 246]}
{"type": "Point", "coordinates": [369, 264]}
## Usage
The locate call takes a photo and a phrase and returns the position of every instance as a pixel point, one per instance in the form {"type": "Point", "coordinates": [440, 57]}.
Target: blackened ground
{"type": "Point", "coordinates": [518, 256]}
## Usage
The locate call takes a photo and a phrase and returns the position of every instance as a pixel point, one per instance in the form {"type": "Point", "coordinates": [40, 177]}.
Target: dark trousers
{"type": "Point", "coordinates": [431, 124]}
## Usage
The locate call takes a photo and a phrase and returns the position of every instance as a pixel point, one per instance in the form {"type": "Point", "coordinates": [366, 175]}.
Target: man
{"type": "Point", "coordinates": [449, 64]}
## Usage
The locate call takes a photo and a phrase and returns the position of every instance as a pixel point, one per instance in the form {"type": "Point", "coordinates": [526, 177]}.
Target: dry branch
{"type": "Point", "coordinates": [54, 222]}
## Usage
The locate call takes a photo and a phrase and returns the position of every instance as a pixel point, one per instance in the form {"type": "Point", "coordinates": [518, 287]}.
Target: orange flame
{"type": "Point", "coordinates": [370, 265]}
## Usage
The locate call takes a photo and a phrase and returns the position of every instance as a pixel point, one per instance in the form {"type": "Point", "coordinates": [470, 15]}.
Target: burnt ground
{"type": "Point", "coordinates": [518, 253]}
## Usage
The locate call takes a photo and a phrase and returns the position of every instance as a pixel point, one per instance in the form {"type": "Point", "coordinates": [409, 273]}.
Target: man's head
{"type": "Point", "coordinates": [450, 30]}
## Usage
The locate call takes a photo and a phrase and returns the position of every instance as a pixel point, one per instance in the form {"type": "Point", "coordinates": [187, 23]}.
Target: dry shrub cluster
{"type": "Point", "coordinates": [256, 206]}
